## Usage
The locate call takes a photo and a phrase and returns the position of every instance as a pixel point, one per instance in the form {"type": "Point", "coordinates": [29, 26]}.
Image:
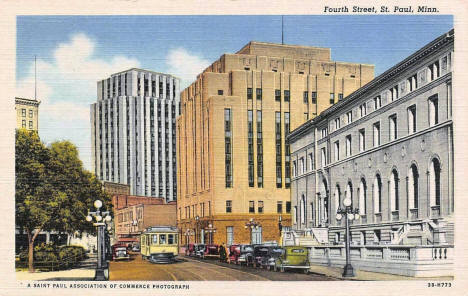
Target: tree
{"type": "Point", "coordinates": [53, 191]}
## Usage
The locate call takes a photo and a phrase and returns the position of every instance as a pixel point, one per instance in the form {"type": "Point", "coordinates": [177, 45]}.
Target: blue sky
{"type": "Point", "coordinates": [73, 52]}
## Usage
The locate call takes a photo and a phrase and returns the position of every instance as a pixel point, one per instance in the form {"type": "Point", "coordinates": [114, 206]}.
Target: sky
{"type": "Point", "coordinates": [74, 52]}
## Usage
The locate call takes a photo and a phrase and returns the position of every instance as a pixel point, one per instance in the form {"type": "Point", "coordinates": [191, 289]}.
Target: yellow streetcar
{"type": "Point", "coordinates": [159, 244]}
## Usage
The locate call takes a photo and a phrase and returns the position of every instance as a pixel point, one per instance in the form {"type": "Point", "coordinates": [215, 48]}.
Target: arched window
{"type": "Point", "coordinates": [325, 193]}
{"type": "Point", "coordinates": [337, 198]}
{"type": "Point", "coordinates": [362, 197]}
{"type": "Point", "coordinates": [394, 206]}
{"type": "Point", "coordinates": [434, 187]}
{"type": "Point", "coordinates": [349, 192]}
{"type": "Point", "coordinates": [377, 194]}
{"type": "Point", "coordinates": [302, 209]}
{"type": "Point", "coordinates": [413, 187]}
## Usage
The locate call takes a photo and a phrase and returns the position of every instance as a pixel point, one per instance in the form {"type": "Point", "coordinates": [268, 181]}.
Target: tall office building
{"type": "Point", "coordinates": [133, 131]}
{"type": "Point", "coordinates": [27, 113]}
{"type": "Point", "coordinates": [233, 160]}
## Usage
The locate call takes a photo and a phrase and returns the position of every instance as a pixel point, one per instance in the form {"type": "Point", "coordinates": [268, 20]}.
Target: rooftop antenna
{"type": "Point", "coordinates": [35, 79]}
{"type": "Point", "coordinates": [282, 31]}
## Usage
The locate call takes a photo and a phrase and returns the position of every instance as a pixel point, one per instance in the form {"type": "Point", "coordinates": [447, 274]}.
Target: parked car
{"type": "Point", "coordinates": [190, 250]}
{"type": "Point", "coordinates": [293, 257]}
{"type": "Point", "coordinates": [269, 256]}
{"type": "Point", "coordinates": [234, 253]}
{"type": "Point", "coordinates": [246, 255]}
{"type": "Point", "coordinates": [136, 248]}
{"type": "Point", "coordinates": [119, 252]}
{"type": "Point", "coordinates": [211, 250]}
{"type": "Point", "coordinates": [200, 250]}
{"type": "Point", "coordinates": [259, 252]}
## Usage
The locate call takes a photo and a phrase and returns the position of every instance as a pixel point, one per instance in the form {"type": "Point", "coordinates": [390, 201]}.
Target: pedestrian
{"type": "Point", "coordinates": [222, 253]}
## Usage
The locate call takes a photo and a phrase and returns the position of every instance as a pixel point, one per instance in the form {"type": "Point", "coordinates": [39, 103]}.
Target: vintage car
{"type": "Point", "coordinates": [234, 253]}
{"type": "Point", "coordinates": [246, 255]}
{"type": "Point", "coordinates": [293, 257]}
{"type": "Point", "coordinates": [119, 252]}
{"type": "Point", "coordinates": [200, 250]}
{"type": "Point", "coordinates": [190, 250]}
{"type": "Point", "coordinates": [269, 256]}
{"type": "Point", "coordinates": [211, 251]}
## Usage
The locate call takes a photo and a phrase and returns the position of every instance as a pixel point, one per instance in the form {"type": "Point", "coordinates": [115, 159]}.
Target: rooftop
{"type": "Point", "coordinates": [285, 50]}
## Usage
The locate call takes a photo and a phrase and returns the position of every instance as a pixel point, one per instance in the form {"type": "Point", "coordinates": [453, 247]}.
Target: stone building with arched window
{"type": "Point", "coordinates": [395, 161]}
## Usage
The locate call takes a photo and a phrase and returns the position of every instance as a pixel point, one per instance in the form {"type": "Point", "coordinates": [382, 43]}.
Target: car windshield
{"type": "Point", "coordinates": [248, 249]}
{"type": "Point", "coordinates": [278, 250]}
{"type": "Point", "coordinates": [297, 251]}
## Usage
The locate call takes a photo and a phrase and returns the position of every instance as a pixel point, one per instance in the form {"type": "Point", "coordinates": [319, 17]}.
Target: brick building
{"type": "Point", "coordinates": [233, 157]}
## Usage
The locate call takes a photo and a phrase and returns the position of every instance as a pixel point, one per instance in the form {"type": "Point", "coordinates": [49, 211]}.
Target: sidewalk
{"type": "Point", "coordinates": [83, 272]}
{"type": "Point", "coordinates": [369, 276]}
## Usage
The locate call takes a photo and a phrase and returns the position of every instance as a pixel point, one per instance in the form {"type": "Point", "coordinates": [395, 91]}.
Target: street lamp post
{"type": "Point", "coordinates": [210, 229]}
{"type": "Point", "coordinates": [101, 219]}
{"type": "Point", "coordinates": [349, 215]}
{"type": "Point", "coordinates": [251, 225]}
{"type": "Point", "coordinates": [197, 221]}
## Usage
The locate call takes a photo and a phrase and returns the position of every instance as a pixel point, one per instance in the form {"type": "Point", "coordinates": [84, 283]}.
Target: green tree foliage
{"type": "Point", "coordinates": [53, 191]}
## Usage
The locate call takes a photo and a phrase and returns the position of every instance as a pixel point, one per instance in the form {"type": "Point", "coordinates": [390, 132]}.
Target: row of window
{"type": "Point", "coordinates": [115, 89]}
{"type": "Point", "coordinates": [433, 119]}
{"type": "Point", "coordinates": [23, 112]}
{"type": "Point", "coordinates": [287, 95]}
{"type": "Point", "coordinates": [23, 124]}
{"type": "Point", "coordinates": [412, 191]}
{"type": "Point", "coordinates": [260, 206]}
{"type": "Point", "coordinates": [427, 74]}
{"type": "Point", "coordinates": [192, 211]}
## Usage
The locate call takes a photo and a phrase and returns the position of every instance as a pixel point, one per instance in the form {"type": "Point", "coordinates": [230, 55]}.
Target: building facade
{"type": "Point", "coordinates": [233, 159]}
{"type": "Point", "coordinates": [27, 113]}
{"type": "Point", "coordinates": [389, 148]}
{"type": "Point", "coordinates": [131, 221]}
{"type": "Point", "coordinates": [133, 131]}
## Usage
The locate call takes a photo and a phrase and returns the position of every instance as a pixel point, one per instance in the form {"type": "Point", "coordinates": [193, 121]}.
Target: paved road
{"type": "Point", "coordinates": [189, 269]}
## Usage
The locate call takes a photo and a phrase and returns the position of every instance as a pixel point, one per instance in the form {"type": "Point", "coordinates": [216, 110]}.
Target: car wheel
{"type": "Point", "coordinates": [306, 271]}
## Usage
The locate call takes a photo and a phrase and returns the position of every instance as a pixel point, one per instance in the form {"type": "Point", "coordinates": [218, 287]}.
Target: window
{"type": "Point", "coordinates": [376, 134]}
{"type": "Point", "coordinates": [433, 110]}
{"type": "Point", "coordinates": [434, 71]}
{"type": "Point", "coordinates": [250, 148]}
{"type": "Point", "coordinates": [230, 235]}
{"type": "Point", "coordinates": [377, 236]}
{"type": "Point", "coordinates": [412, 82]}
{"type": "Point", "coordinates": [220, 92]}
{"type": "Point", "coordinates": [249, 93]}
{"type": "Point", "coordinates": [287, 153]}
{"type": "Point", "coordinates": [362, 140]}
{"type": "Point", "coordinates": [260, 206]}
{"type": "Point", "coordinates": [294, 169]}
{"type": "Point", "coordinates": [228, 148]}
{"type": "Point", "coordinates": [259, 150]}
{"type": "Point", "coordinates": [434, 183]}
{"type": "Point", "coordinates": [30, 113]}
{"type": "Point", "coordinates": [412, 119]}
{"type": "Point", "coordinates": [394, 93]}
{"type": "Point", "coordinates": [362, 110]}
{"type": "Point", "coordinates": [170, 239]}
{"type": "Point", "coordinates": [377, 102]}
{"type": "Point", "coordinates": [337, 123]}
{"type": "Point", "coordinates": [349, 117]}
{"type": "Point", "coordinates": [311, 161]}
{"type": "Point", "coordinates": [23, 112]}
{"type": "Point", "coordinates": [302, 210]}
{"type": "Point", "coordinates": [288, 207]}
{"type": "Point", "coordinates": [259, 93]}
{"type": "Point", "coordinates": [30, 124]}
{"type": "Point", "coordinates": [413, 187]}
{"type": "Point", "coordinates": [377, 194]}
{"type": "Point", "coordinates": [324, 132]}
{"type": "Point", "coordinates": [279, 163]}
{"type": "Point", "coordinates": [362, 197]}
{"type": "Point", "coordinates": [337, 150]}
{"type": "Point", "coordinates": [154, 239]}
{"type": "Point", "coordinates": [279, 207]}
{"type": "Point", "coordinates": [277, 95]}
{"type": "Point", "coordinates": [228, 206]}
{"type": "Point", "coordinates": [323, 156]}
{"type": "Point", "coordinates": [394, 200]}
{"type": "Point", "coordinates": [301, 166]}
{"type": "Point", "coordinates": [337, 198]}
{"type": "Point", "coordinates": [393, 129]}
{"type": "Point", "coordinates": [23, 123]}
{"type": "Point", "coordinates": [306, 97]}
{"type": "Point", "coordinates": [162, 239]}
{"type": "Point", "coordinates": [332, 98]}
{"type": "Point", "coordinates": [286, 95]}
{"type": "Point", "coordinates": [348, 145]}
{"type": "Point", "coordinates": [340, 97]}
{"type": "Point", "coordinates": [314, 97]}
{"type": "Point", "coordinates": [251, 206]}
{"type": "Point", "coordinates": [295, 214]}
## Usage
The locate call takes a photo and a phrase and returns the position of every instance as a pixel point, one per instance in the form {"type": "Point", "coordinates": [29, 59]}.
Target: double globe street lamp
{"type": "Point", "coordinates": [349, 214]}
{"type": "Point", "coordinates": [101, 219]}
{"type": "Point", "coordinates": [251, 225]}
{"type": "Point", "coordinates": [210, 230]}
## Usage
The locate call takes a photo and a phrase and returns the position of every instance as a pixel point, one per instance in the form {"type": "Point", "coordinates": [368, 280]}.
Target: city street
{"type": "Point", "coordinates": [190, 269]}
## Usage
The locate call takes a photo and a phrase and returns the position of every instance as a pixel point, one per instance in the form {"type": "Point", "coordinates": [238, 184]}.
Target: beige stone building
{"type": "Point", "coordinates": [27, 113]}
{"type": "Point", "coordinates": [233, 161]}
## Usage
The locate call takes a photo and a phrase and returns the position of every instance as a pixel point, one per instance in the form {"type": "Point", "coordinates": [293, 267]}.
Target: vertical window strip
{"type": "Point", "coordinates": [228, 147]}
